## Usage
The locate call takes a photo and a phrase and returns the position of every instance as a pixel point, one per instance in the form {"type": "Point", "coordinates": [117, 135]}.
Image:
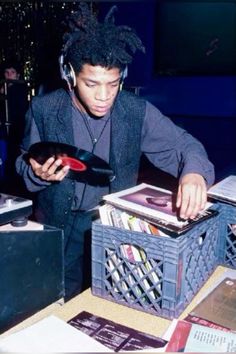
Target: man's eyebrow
{"type": "Point", "coordinates": [88, 79]}
{"type": "Point", "coordinates": [97, 81]}
{"type": "Point", "coordinates": [118, 79]}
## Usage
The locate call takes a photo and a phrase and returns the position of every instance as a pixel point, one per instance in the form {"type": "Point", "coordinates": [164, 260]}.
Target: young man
{"type": "Point", "coordinates": [95, 115]}
{"type": "Point", "coordinates": [10, 73]}
{"type": "Point", "coordinates": [15, 94]}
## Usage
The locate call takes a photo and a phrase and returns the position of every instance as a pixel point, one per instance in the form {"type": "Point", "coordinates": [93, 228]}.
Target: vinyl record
{"type": "Point", "coordinates": [84, 166]}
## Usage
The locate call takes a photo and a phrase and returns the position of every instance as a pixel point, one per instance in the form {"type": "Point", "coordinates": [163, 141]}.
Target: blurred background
{"type": "Point", "coordinates": [188, 71]}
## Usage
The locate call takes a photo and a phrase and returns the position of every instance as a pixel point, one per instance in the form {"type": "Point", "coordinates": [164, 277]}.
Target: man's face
{"type": "Point", "coordinates": [11, 74]}
{"type": "Point", "coordinates": [96, 88]}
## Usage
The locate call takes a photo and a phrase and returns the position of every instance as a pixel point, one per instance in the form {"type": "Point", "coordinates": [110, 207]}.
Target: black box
{"type": "Point", "coordinates": [31, 273]}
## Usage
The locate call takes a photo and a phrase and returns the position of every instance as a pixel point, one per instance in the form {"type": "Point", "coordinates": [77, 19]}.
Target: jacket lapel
{"type": "Point", "coordinates": [64, 125]}
{"type": "Point", "coordinates": [119, 131]}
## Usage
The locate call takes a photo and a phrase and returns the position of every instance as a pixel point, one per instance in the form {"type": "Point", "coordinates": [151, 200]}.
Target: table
{"type": "Point", "coordinates": [110, 310]}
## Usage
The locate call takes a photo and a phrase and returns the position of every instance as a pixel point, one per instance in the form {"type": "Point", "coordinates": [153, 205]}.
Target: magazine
{"type": "Point", "coordinates": [198, 320]}
{"type": "Point", "coordinates": [115, 336]}
{"type": "Point", "coordinates": [157, 206]}
{"type": "Point", "coordinates": [189, 337]}
{"type": "Point", "coordinates": [219, 306]}
{"type": "Point", "coordinates": [224, 190]}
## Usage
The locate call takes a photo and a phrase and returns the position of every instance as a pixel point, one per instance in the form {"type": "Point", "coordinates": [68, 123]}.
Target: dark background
{"type": "Point", "coordinates": [188, 71]}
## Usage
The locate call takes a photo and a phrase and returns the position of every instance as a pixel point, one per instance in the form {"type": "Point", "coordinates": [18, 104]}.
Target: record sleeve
{"type": "Point", "coordinates": [157, 206]}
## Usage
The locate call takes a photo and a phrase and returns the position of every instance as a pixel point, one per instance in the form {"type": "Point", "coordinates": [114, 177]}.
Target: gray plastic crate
{"type": "Point", "coordinates": [172, 272]}
{"type": "Point", "coordinates": [227, 248]}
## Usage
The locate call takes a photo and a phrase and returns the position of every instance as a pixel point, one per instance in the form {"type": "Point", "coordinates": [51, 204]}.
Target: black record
{"type": "Point", "coordinates": [84, 166]}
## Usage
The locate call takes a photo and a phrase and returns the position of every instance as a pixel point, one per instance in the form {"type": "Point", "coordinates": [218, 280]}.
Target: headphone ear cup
{"type": "Point", "coordinates": [67, 73]}
{"type": "Point", "coordinates": [124, 74]}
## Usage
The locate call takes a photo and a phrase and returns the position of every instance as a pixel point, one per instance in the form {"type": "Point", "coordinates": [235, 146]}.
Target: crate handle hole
{"type": "Point", "coordinates": [133, 253]}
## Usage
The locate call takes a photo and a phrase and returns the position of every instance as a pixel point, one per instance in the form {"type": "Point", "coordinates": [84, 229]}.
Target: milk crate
{"type": "Point", "coordinates": [227, 248]}
{"type": "Point", "coordinates": [169, 273]}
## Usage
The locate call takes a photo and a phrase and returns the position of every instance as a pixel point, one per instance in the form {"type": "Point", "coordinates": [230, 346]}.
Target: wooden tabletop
{"type": "Point", "coordinates": [124, 315]}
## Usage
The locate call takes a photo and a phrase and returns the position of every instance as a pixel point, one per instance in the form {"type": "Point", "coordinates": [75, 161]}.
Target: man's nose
{"type": "Point", "coordinates": [103, 93]}
{"type": "Point", "coordinates": [9, 77]}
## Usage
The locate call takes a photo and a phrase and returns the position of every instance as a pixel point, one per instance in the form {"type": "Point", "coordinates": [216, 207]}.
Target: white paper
{"type": "Point", "coordinates": [225, 189]}
{"type": "Point", "coordinates": [199, 339]}
{"type": "Point", "coordinates": [50, 335]}
{"type": "Point", "coordinates": [206, 340]}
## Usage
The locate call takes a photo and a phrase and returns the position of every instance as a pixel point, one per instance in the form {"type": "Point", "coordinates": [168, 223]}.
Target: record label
{"type": "Point", "coordinates": [74, 164]}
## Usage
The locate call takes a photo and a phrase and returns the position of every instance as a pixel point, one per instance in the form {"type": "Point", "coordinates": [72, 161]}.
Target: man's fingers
{"type": "Point", "coordinates": [193, 200]}
{"type": "Point", "coordinates": [49, 170]}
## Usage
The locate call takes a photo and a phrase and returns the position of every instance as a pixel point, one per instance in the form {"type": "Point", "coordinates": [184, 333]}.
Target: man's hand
{"type": "Point", "coordinates": [48, 171]}
{"type": "Point", "coordinates": [191, 196]}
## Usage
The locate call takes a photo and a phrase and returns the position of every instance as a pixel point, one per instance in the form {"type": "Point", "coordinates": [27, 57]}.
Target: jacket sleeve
{"type": "Point", "coordinates": [173, 149]}
{"type": "Point", "coordinates": [31, 136]}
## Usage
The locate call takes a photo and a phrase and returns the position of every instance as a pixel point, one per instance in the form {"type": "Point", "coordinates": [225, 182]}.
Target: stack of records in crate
{"type": "Point", "coordinates": [148, 209]}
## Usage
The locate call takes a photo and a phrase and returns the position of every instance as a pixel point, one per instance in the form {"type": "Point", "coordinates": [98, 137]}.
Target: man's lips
{"type": "Point", "coordinates": [101, 109]}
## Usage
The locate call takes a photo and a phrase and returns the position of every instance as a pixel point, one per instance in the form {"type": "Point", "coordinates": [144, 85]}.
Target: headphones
{"type": "Point", "coordinates": [123, 76]}
{"type": "Point", "coordinates": [68, 74]}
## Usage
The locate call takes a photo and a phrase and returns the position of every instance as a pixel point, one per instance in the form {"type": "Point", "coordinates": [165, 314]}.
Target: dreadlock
{"type": "Point", "coordinates": [95, 43]}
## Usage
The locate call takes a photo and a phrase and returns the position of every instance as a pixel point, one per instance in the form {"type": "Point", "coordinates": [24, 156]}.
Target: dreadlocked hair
{"type": "Point", "coordinates": [95, 43]}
